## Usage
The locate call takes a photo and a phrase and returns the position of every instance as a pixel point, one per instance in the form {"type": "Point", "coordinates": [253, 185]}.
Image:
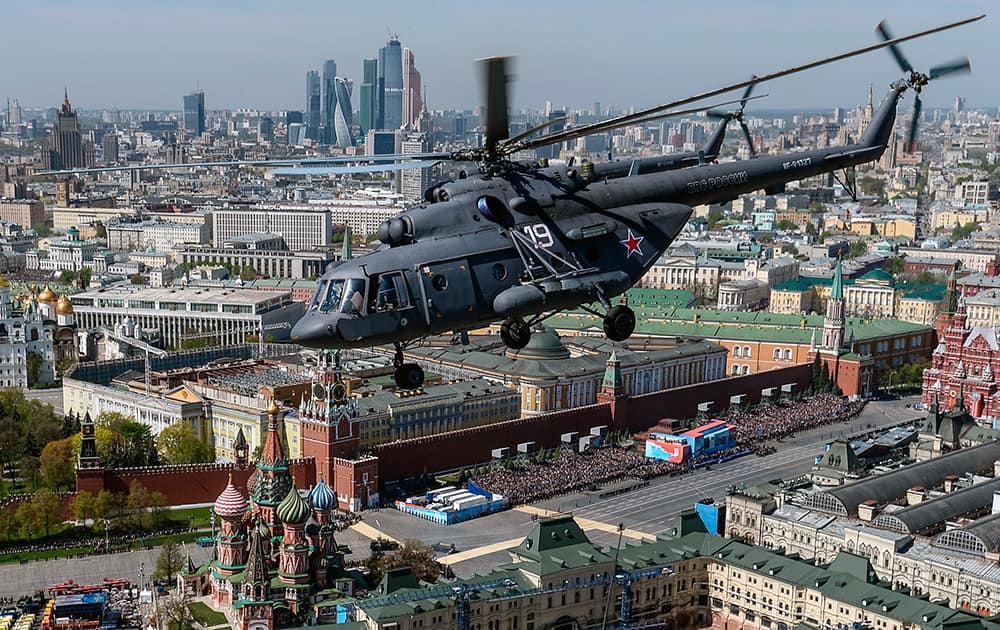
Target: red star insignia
{"type": "Point", "coordinates": [632, 244]}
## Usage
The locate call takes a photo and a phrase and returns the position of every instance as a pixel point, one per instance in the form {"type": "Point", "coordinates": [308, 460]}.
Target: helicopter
{"type": "Point", "coordinates": [522, 241]}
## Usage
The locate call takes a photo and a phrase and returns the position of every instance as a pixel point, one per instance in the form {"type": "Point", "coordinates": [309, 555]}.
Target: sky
{"type": "Point", "coordinates": [255, 53]}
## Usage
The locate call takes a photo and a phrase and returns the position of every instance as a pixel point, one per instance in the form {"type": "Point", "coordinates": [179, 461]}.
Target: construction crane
{"type": "Point", "coordinates": [463, 592]}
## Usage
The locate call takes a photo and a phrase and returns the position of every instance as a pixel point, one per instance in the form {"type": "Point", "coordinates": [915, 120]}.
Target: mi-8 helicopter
{"type": "Point", "coordinates": [520, 242]}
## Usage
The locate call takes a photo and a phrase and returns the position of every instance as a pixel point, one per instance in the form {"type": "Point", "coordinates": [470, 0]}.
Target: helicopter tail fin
{"type": "Point", "coordinates": [880, 128]}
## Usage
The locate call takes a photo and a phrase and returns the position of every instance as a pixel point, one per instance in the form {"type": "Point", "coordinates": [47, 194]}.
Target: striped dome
{"type": "Point", "coordinates": [322, 497]}
{"type": "Point", "coordinates": [231, 503]}
{"type": "Point", "coordinates": [292, 509]}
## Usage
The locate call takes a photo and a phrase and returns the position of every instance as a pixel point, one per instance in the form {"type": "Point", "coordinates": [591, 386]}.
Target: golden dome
{"type": "Point", "coordinates": [64, 306]}
{"type": "Point", "coordinates": [273, 408]}
{"type": "Point", "coordinates": [4, 282]}
{"type": "Point", "coordinates": [47, 296]}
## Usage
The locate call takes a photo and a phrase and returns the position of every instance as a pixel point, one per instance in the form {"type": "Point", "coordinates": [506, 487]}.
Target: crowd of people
{"type": "Point", "coordinates": [774, 421]}
{"type": "Point", "coordinates": [526, 480]}
{"type": "Point", "coordinates": [96, 544]}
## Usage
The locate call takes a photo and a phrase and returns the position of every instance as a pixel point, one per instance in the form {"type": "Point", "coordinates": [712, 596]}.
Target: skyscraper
{"type": "Point", "coordinates": [369, 97]}
{"type": "Point", "coordinates": [66, 142]}
{"type": "Point", "coordinates": [342, 115]}
{"type": "Point", "coordinates": [390, 80]}
{"type": "Point", "coordinates": [328, 134]}
{"type": "Point", "coordinates": [412, 104]}
{"type": "Point", "coordinates": [194, 113]}
{"type": "Point", "coordinates": [313, 101]}
{"type": "Point", "coordinates": [265, 129]}
{"type": "Point", "coordinates": [109, 147]}
{"type": "Point", "coordinates": [413, 182]}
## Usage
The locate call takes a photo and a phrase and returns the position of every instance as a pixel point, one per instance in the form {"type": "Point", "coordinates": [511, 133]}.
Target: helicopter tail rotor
{"type": "Point", "coordinates": [738, 117]}
{"type": "Point", "coordinates": [917, 80]}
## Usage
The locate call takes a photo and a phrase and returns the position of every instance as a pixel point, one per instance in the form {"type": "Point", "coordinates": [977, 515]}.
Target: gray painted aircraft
{"type": "Point", "coordinates": [521, 242]}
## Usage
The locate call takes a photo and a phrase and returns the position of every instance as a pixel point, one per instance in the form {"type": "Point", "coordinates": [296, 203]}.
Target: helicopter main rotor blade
{"type": "Point", "coordinates": [536, 129]}
{"type": "Point", "coordinates": [348, 170]}
{"type": "Point", "coordinates": [494, 75]}
{"type": "Point", "coordinates": [340, 159]}
{"type": "Point", "coordinates": [625, 119]}
{"type": "Point", "coordinates": [611, 125]}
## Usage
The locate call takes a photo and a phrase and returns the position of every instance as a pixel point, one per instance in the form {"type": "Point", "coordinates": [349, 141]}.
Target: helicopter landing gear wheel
{"type": "Point", "coordinates": [408, 376]}
{"type": "Point", "coordinates": [515, 333]}
{"type": "Point", "coordinates": [619, 323]}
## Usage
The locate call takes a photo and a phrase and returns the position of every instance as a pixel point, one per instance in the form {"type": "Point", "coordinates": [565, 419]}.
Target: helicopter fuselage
{"type": "Point", "coordinates": [528, 241]}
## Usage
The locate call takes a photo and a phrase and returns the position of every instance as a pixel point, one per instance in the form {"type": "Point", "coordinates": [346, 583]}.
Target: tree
{"type": "Point", "coordinates": [416, 555]}
{"type": "Point", "coordinates": [84, 506]}
{"type": "Point", "coordinates": [169, 562]}
{"type": "Point", "coordinates": [960, 232]}
{"type": "Point", "coordinates": [8, 523]}
{"type": "Point", "coordinates": [787, 225]}
{"type": "Point", "coordinates": [85, 274]}
{"type": "Point", "coordinates": [178, 444]}
{"type": "Point", "coordinates": [46, 507]}
{"type": "Point", "coordinates": [57, 464]}
{"type": "Point", "coordinates": [895, 265]}
{"type": "Point", "coordinates": [107, 506]}
{"type": "Point", "coordinates": [137, 502]}
{"type": "Point", "coordinates": [33, 365]}
{"type": "Point", "coordinates": [857, 248]}
{"type": "Point", "coordinates": [100, 231]}
{"type": "Point", "coordinates": [157, 504]}
{"type": "Point", "coordinates": [714, 218]}
{"type": "Point", "coordinates": [31, 470]}
{"type": "Point", "coordinates": [24, 518]}
{"type": "Point", "coordinates": [871, 186]}
{"type": "Point", "coordinates": [174, 610]}
{"type": "Point", "coordinates": [112, 419]}
{"type": "Point", "coordinates": [66, 276]}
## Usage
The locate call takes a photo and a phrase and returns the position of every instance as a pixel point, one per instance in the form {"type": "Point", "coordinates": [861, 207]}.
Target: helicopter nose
{"type": "Point", "coordinates": [314, 332]}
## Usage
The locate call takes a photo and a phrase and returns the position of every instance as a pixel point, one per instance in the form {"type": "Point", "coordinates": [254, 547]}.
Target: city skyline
{"type": "Point", "coordinates": [557, 64]}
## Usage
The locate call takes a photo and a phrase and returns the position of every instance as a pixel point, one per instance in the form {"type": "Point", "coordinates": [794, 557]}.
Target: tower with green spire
{"type": "Point", "coordinates": [833, 325]}
{"type": "Point", "coordinates": [345, 252]}
{"type": "Point", "coordinates": [612, 385]}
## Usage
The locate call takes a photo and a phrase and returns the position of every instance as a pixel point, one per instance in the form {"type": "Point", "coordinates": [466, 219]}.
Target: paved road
{"type": "Point", "coordinates": [53, 397]}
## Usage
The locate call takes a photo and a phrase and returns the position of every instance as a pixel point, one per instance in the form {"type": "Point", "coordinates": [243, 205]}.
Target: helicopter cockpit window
{"type": "Point", "coordinates": [319, 296]}
{"type": "Point", "coordinates": [331, 300]}
{"type": "Point", "coordinates": [354, 297]}
{"type": "Point", "coordinates": [391, 293]}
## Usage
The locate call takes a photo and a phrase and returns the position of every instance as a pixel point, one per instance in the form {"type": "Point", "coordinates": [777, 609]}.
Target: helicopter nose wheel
{"type": "Point", "coordinates": [515, 333]}
{"type": "Point", "coordinates": [408, 376]}
{"type": "Point", "coordinates": [619, 323]}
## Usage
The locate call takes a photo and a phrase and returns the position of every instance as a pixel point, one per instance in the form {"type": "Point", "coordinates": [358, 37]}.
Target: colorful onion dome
{"type": "Point", "coordinates": [231, 503]}
{"type": "Point", "coordinates": [322, 497]}
{"type": "Point", "coordinates": [47, 296]}
{"type": "Point", "coordinates": [292, 509]}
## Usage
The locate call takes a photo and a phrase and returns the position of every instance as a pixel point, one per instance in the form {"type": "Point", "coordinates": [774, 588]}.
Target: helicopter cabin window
{"type": "Point", "coordinates": [391, 293]}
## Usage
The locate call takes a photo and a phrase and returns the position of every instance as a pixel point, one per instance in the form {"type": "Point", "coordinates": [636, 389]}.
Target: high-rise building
{"type": "Point", "coordinates": [412, 103]}
{"type": "Point", "coordinates": [313, 101]}
{"type": "Point", "coordinates": [194, 113]}
{"type": "Point", "coordinates": [293, 116]}
{"type": "Point", "coordinates": [390, 80]}
{"type": "Point", "coordinates": [328, 106]}
{"type": "Point", "coordinates": [297, 133]}
{"type": "Point", "coordinates": [66, 142]}
{"type": "Point", "coordinates": [109, 147]}
{"type": "Point", "coordinates": [343, 117]}
{"type": "Point", "coordinates": [369, 97]}
{"type": "Point", "coordinates": [413, 182]}
{"type": "Point", "coordinates": [265, 129]}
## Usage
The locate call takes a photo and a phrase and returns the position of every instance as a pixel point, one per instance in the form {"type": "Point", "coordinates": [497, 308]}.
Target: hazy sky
{"type": "Point", "coordinates": [255, 53]}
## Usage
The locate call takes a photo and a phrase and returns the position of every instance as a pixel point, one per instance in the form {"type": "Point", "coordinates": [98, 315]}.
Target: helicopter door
{"type": "Point", "coordinates": [390, 307]}
{"type": "Point", "coordinates": [451, 299]}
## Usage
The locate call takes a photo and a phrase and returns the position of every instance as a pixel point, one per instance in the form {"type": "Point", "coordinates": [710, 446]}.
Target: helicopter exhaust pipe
{"type": "Point", "coordinates": [561, 294]}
